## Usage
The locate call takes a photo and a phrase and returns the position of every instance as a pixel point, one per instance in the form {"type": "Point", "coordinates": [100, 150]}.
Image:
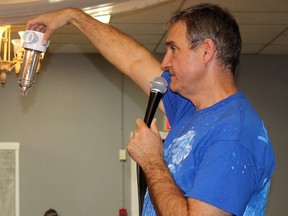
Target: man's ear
{"type": "Point", "coordinates": [209, 50]}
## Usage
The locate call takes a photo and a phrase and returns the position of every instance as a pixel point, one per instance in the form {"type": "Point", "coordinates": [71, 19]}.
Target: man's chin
{"type": "Point", "coordinates": [172, 88]}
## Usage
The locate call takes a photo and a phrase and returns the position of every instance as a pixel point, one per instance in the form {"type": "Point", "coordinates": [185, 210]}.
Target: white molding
{"type": "Point", "coordinates": [14, 146]}
{"type": "Point", "coordinates": [10, 145]}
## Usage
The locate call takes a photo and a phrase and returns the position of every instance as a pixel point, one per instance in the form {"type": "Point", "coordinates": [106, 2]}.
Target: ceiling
{"type": "Point", "coordinates": [263, 23]}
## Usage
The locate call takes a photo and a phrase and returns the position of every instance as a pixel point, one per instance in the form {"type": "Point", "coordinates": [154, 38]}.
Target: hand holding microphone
{"type": "Point", "coordinates": [142, 136]}
{"type": "Point", "coordinates": [158, 87]}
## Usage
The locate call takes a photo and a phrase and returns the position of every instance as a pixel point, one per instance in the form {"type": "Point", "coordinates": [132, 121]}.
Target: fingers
{"type": "Point", "coordinates": [49, 22]}
{"type": "Point", "coordinates": [36, 24]}
{"type": "Point", "coordinates": [40, 27]}
{"type": "Point", "coordinates": [140, 124]}
{"type": "Point", "coordinates": [145, 142]}
{"type": "Point", "coordinates": [29, 25]}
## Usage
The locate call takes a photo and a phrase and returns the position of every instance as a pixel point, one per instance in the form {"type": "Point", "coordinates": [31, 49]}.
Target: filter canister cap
{"type": "Point", "coordinates": [33, 40]}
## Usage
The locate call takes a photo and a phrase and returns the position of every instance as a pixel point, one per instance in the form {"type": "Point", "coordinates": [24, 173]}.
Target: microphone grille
{"type": "Point", "coordinates": [158, 84]}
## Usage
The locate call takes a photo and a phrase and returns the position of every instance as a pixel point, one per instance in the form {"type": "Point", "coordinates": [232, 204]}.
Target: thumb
{"type": "Point", "coordinates": [46, 36]}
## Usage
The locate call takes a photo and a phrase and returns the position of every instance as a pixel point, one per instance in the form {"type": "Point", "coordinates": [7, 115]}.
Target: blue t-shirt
{"type": "Point", "coordinates": [220, 155]}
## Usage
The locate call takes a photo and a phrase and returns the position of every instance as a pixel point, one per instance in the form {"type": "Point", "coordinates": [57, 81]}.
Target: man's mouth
{"type": "Point", "coordinates": [171, 73]}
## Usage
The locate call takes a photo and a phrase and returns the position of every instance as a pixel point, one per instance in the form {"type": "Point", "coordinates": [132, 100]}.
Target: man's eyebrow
{"type": "Point", "coordinates": [170, 43]}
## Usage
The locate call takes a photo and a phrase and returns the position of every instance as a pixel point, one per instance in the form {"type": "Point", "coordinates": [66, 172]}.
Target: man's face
{"type": "Point", "coordinates": [184, 64]}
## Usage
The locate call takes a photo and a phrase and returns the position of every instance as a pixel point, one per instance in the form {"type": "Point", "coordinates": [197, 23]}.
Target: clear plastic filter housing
{"type": "Point", "coordinates": [32, 43]}
{"type": "Point", "coordinates": [28, 70]}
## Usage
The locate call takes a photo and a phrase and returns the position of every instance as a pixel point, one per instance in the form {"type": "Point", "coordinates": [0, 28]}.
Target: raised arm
{"type": "Point", "coordinates": [126, 54]}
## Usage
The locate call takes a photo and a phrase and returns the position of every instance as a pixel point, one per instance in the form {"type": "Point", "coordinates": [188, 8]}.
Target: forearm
{"type": "Point", "coordinates": [126, 54]}
{"type": "Point", "coordinates": [166, 197]}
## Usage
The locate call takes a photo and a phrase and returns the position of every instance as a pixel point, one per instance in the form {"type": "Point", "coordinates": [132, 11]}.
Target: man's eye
{"type": "Point", "coordinates": [173, 49]}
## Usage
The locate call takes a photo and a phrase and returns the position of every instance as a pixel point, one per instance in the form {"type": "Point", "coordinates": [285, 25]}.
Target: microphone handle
{"type": "Point", "coordinates": [153, 103]}
{"type": "Point", "coordinates": [142, 185]}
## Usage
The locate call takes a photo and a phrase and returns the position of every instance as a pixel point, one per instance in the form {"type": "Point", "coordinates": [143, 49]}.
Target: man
{"type": "Point", "coordinates": [51, 212]}
{"type": "Point", "coordinates": [217, 159]}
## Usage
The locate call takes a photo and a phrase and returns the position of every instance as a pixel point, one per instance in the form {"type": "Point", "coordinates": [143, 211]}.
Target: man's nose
{"type": "Point", "coordinates": [166, 62]}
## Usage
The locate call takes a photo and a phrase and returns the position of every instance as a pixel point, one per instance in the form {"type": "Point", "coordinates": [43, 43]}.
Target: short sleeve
{"type": "Point", "coordinates": [175, 105]}
{"type": "Point", "coordinates": [226, 177]}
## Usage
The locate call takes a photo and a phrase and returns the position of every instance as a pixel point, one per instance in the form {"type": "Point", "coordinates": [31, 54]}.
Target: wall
{"type": "Point", "coordinates": [264, 80]}
{"type": "Point", "coordinates": [70, 128]}
{"type": "Point", "coordinates": [81, 111]}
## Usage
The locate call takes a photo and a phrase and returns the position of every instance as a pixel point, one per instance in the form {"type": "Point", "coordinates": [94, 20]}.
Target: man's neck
{"type": "Point", "coordinates": [214, 91]}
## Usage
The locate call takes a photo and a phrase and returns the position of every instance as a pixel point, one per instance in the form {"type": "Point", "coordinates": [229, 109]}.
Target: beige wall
{"type": "Point", "coordinates": [264, 80]}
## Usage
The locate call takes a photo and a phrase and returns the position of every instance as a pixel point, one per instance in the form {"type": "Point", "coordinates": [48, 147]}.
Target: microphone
{"type": "Point", "coordinates": [158, 87]}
